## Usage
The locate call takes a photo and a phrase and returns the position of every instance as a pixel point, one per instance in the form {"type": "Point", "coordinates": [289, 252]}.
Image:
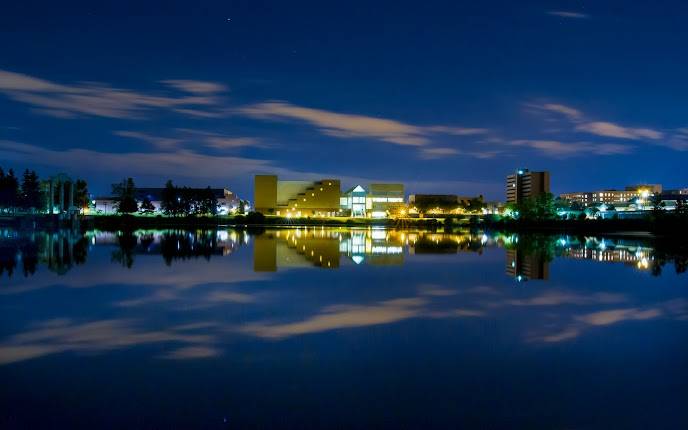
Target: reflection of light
{"type": "Point", "coordinates": [386, 250]}
{"type": "Point", "coordinates": [378, 234]}
{"type": "Point", "coordinates": [358, 259]}
{"type": "Point", "coordinates": [483, 239]}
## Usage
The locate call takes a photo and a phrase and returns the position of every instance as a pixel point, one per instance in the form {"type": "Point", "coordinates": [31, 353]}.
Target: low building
{"type": "Point", "coordinates": [439, 204]}
{"type": "Point", "coordinates": [296, 198]}
{"type": "Point", "coordinates": [227, 201]}
{"type": "Point", "coordinates": [630, 194]}
{"type": "Point", "coordinates": [376, 201]}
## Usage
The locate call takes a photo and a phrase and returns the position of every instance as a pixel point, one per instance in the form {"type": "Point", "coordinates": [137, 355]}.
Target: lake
{"type": "Point", "coordinates": [341, 328]}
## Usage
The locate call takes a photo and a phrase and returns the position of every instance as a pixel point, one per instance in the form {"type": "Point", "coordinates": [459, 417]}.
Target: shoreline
{"type": "Point", "coordinates": [631, 227]}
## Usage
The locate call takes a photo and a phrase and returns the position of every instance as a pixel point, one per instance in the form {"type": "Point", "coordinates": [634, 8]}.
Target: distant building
{"type": "Point", "coordinates": [296, 198]}
{"type": "Point", "coordinates": [227, 201]}
{"type": "Point", "coordinates": [629, 194]}
{"type": "Point", "coordinates": [524, 184]}
{"type": "Point", "coordinates": [438, 203]}
{"type": "Point", "coordinates": [377, 201]}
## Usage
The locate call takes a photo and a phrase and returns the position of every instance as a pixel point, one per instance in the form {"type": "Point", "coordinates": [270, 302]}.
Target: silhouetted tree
{"type": "Point", "coordinates": [81, 199]}
{"type": "Point", "coordinates": [147, 206]}
{"type": "Point", "coordinates": [125, 193]}
{"type": "Point", "coordinates": [9, 190]}
{"type": "Point", "coordinates": [171, 200]}
{"type": "Point", "coordinates": [31, 197]}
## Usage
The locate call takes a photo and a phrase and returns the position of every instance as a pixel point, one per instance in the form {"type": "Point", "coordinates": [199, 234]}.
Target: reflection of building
{"type": "Point", "coordinates": [524, 266]}
{"type": "Point", "coordinates": [295, 248]}
{"type": "Point", "coordinates": [616, 197]}
{"type": "Point", "coordinates": [296, 198]}
{"type": "Point", "coordinates": [378, 201]}
{"type": "Point", "coordinates": [525, 184]}
{"type": "Point", "coordinates": [375, 246]}
{"type": "Point", "coordinates": [639, 257]}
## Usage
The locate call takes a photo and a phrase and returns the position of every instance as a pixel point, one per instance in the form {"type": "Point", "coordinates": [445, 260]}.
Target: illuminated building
{"type": "Point", "coordinates": [227, 201]}
{"type": "Point", "coordinates": [438, 204]}
{"type": "Point", "coordinates": [296, 198]}
{"type": "Point", "coordinates": [631, 194]}
{"type": "Point", "coordinates": [524, 184]}
{"type": "Point", "coordinates": [377, 201]}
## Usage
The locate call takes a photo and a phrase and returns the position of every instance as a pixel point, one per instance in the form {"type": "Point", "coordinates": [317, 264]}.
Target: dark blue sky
{"type": "Point", "coordinates": [444, 96]}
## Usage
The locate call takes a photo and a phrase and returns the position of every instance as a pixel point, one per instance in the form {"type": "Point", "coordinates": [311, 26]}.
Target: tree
{"type": "Point", "coordinates": [30, 191]}
{"type": "Point", "coordinates": [170, 199]}
{"type": "Point", "coordinates": [537, 208]}
{"type": "Point", "coordinates": [207, 202]}
{"type": "Point", "coordinates": [81, 199]}
{"type": "Point", "coordinates": [475, 204]}
{"type": "Point", "coordinates": [147, 206]}
{"type": "Point", "coordinates": [9, 190]}
{"type": "Point", "coordinates": [125, 193]}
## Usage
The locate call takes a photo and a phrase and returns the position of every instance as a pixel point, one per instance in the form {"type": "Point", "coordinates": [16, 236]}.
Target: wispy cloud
{"type": "Point", "coordinates": [157, 141]}
{"type": "Point", "coordinates": [196, 87]}
{"type": "Point", "coordinates": [181, 163]}
{"type": "Point", "coordinates": [559, 149]}
{"type": "Point", "coordinates": [100, 100]}
{"type": "Point", "coordinates": [676, 139]}
{"type": "Point", "coordinates": [345, 125]}
{"type": "Point", "coordinates": [609, 129]}
{"type": "Point", "coordinates": [184, 137]}
{"type": "Point", "coordinates": [568, 14]}
{"type": "Point", "coordinates": [433, 153]}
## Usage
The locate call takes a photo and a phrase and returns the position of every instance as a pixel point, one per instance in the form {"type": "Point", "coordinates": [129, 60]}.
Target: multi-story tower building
{"type": "Point", "coordinates": [524, 184]}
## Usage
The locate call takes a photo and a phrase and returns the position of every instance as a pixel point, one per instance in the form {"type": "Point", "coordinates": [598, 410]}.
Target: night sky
{"type": "Point", "coordinates": [447, 97]}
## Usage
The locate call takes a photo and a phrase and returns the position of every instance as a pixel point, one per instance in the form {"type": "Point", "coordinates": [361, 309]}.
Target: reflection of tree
{"type": "Point", "coordinates": [186, 245]}
{"type": "Point", "coordinates": [666, 250]}
{"type": "Point", "coordinates": [8, 258]}
{"type": "Point", "coordinates": [125, 254]}
{"type": "Point", "coordinates": [29, 253]}
{"type": "Point", "coordinates": [536, 244]}
{"type": "Point", "coordinates": [58, 251]}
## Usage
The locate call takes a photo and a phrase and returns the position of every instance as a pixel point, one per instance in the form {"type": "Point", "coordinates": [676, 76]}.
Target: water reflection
{"type": "Point", "coordinates": [252, 325]}
{"type": "Point", "coordinates": [527, 256]}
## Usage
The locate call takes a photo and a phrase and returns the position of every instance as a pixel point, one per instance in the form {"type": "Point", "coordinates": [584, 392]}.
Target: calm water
{"type": "Point", "coordinates": [324, 328]}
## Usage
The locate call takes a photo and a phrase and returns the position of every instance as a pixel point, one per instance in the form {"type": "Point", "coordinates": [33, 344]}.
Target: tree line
{"type": "Point", "coordinates": [175, 201]}
{"type": "Point", "coordinates": [29, 195]}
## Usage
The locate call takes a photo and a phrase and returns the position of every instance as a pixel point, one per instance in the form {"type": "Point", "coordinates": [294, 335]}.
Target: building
{"type": "Point", "coordinates": [630, 194]}
{"type": "Point", "coordinates": [524, 184]}
{"type": "Point", "coordinates": [227, 201]}
{"type": "Point", "coordinates": [438, 204]}
{"type": "Point", "coordinates": [376, 201]}
{"type": "Point", "coordinates": [296, 198]}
